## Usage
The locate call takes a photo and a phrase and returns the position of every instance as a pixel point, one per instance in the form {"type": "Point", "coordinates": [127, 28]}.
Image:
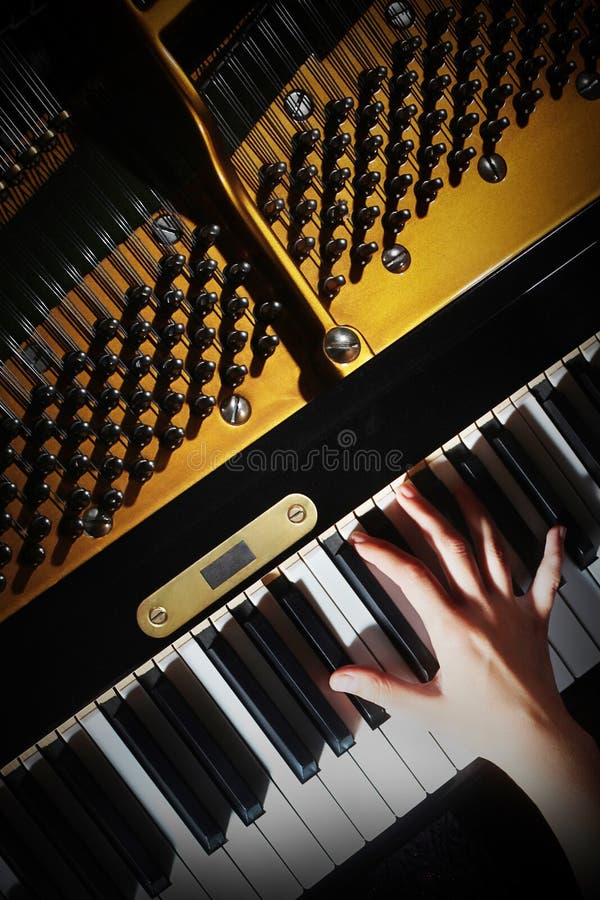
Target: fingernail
{"type": "Point", "coordinates": [407, 490]}
{"type": "Point", "coordinates": [562, 531]}
{"type": "Point", "coordinates": [342, 681]}
{"type": "Point", "coordinates": [358, 537]}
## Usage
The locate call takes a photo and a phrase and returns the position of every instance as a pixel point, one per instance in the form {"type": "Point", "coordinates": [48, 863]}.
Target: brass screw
{"type": "Point", "coordinates": [158, 615]}
{"type": "Point", "coordinates": [296, 514]}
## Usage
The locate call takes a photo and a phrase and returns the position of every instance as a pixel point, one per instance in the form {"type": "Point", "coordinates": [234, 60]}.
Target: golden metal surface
{"type": "Point", "coordinates": [189, 594]}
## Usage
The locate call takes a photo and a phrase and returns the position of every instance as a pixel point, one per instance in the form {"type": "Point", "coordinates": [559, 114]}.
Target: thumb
{"type": "Point", "coordinates": [381, 688]}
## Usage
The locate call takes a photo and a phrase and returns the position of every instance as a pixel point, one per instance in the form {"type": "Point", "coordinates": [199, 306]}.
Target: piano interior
{"type": "Point", "coordinates": [257, 263]}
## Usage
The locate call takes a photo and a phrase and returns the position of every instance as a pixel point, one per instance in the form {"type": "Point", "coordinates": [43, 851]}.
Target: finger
{"type": "Point", "coordinates": [384, 689]}
{"type": "Point", "coordinates": [455, 555]}
{"type": "Point", "coordinates": [488, 542]}
{"type": "Point", "coordinates": [419, 585]}
{"type": "Point", "coordinates": [547, 578]}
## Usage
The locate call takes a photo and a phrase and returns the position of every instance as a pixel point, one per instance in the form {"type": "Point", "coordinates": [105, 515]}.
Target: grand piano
{"type": "Point", "coordinates": [258, 263]}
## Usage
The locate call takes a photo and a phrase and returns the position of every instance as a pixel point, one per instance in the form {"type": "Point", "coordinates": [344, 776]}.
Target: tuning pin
{"type": "Point", "coordinates": [6, 521]}
{"type": "Point", "coordinates": [8, 491]}
{"type": "Point", "coordinates": [138, 332]}
{"type": "Point", "coordinates": [427, 190]}
{"type": "Point", "coordinates": [334, 248]}
{"type": "Point", "coordinates": [204, 302]}
{"type": "Point", "coordinates": [399, 151]}
{"type": "Point", "coordinates": [303, 211]}
{"type": "Point", "coordinates": [39, 527]}
{"type": "Point", "coordinates": [74, 362]}
{"type": "Point", "coordinates": [525, 101]}
{"type": "Point", "coordinates": [337, 110]}
{"type": "Point", "coordinates": [42, 396]}
{"type": "Point", "coordinates": [172, 333]}
{"type": "Point", "coordinates": [42, 430]}
{"type": "Point", "coordinates": [459, 160]}
{"type": "Point", "coordinates": [462, 126]}
{"type": "Point", "coordinates": [331, 286]}
{"type": "Point", "coordinates": [7, 457]}
{"type": "Point", "coordinates": [335, 214]}
{"type": "Point", "coordinates": [468, 59]}
{"type": "Point", "coordinates": [204, 269]}
{"type": "Point", "coordinates": [78, 432]}
{"type": "Point", "coordinates": [336, 145]}
{"type": "Point", "coordinates": [171, 300]}
{"type": "Point", "coordinates": [234, 374]}
{"type": "Point", "coordinates": [368, 116]}
{"type": "Point", "coordinates": [303, 177]}
{"type": "Point", "coordinates": [497, 64]}
{"type": "Point", "coordinates": [78, 499]}
{"type": "Point", "coordinates": [108, 399]}
{"type": "Point", "coordinates": [171, 368]}
{"type": "Point", "coordinates": [371, 79]}
{"type": "Point", "coordinates": [305, 141]}
{"type": "Point", "coordinates": [202, 405]}
{"type": "Point", "coordinates": [110, 433]}
{"type": "Point", "coordinates": [402, 84]}
{"type": "Point", "coordinates": [171, 264]}
{"type": "Point", "coordinates": [468, 26]}
{"type": "Point", "coordinates": [202, 337]}
{"type": "Point", "coordinates": [265, 345]}
{"type": "Point", "coordinates": [142, 470]}
{"type": "Point", "coordinates": [492, 129]}
{"type": "Point", "coordinates": [366, 183]}
{"type": "Point", "coordinates": [141, 435]}
{"type": "Point", "coordinates": [107, 364]}
{"type": "Point", "coordinates": [268, 310]}
{"type": "Point", "coordinates": [464, 92]}
{"type": "Point", "coordinates": [44, 463]}
{"type": "Point", "coordinates": [106, 327]}
{"type": "Point", "coordinates": [139, 365]}
{"type": "Point", "coordinates": [172, 437]}
{"type": "Point", "coordinates": [369, 147]}
{"type": "Point", "coordinates": [171, 403]}
{"type": "Point", "coordinates": [562, 42]}
{"type": "Point", "coordinates": [397, 186]}
{"type": "Point", "coordinates": [237, 273]}
{"type": "Point", "coordinates": [5, 554]}
{"type": "Point", "coordinates": [366, 216]}
{"type": "Point", "coordinates": [203, 371]}
{"type": "Point", "coordinates": [403, 52]}
{"type": "Point", "coordinates": [76, 397]}
{"type": "Point", "coordinates": [272, 209]}
{"type": "Point", "coordinates": [302, 248]}
{"type": "Point", "coordinates": [362, 253]}
{"type": "Point", "coordinates": [499, 31]}
{"type": "Point", "coordinates": [111, 500]}
{"type": "Point", "coordinates": [36, 492]}
{"type": "Point", "coordinates": [77, 464]}
{"type": "Point", "coordinates": [437, 22]}
{"type": "Point", "coordinates": [235, 307]}
{"type": "Point", "coordinates": [32, 555]}
{"type": "Point", "coordinates": [434, 57]}
{"type": "Point", "coordinates": [205, 236]}
{"type": "Point", "coordinates": [138, 296]}
{"type": "Point", "coordinates": [235, 341]}
{"type": "Point", "coordinates": [434, 87]}
{"type": "Point", "coordinates": [337, 178]}
{"type": "Point", "coordinates": [272, 174]}
{"type": "Point", "coordinates": [395, 220]}
{"type": "Point", "coordinates": [139, 401]}
{"type": "Point", "coordinates": [558, 74]}
{"type": "Point", "coordinates": [530, 37]}
{"type": "Point", "coordinates": [431, 122]}
{"type": "Point", "coordinates": [71, 527]}
{"type": "Point", "coordinates": [111, 468]}
{"type": "Point", "coordinates": [401, 118]}
{"type": "Point", "coordinates": [495, 97]}
{"type": "Point", "coordinates": [430, 155]}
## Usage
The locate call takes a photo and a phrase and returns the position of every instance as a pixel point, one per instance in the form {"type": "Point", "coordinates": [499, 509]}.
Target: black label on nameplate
{"type": "Point", "coordinates": [227, 565]}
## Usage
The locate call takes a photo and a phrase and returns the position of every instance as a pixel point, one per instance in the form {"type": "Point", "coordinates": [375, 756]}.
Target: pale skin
{"type": "Point", "coordinates": [495, 688]}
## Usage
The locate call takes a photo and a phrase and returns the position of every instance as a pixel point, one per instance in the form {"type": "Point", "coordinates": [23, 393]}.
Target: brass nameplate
{"type": "Point", "coordinates": [223, 568]}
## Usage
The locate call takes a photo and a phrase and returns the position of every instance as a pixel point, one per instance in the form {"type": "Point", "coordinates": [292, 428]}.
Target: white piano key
{"type": "Point", "coordinates": [571, 641]}
{"type": "Point", "coordinates": [343, 839]}
{"type": "Point", "coordinates": [420, 751]}
{"type": "Point", "coordinates": [300, 824]}
{"type": "Point", "coordinates": [562, 676]}
{"type": "Point", "coordinates": [97, 844]}
{"type": "Point", "coordinates": [45, 864]}
{"type": "Point", "coordinates": [245, 845]}
{"type": "Point", "coordinates": [345, 779]}
{"type": "Point", "coordinates": [266, 869]}
{"type": "Point", "coordinates": [189, 861]}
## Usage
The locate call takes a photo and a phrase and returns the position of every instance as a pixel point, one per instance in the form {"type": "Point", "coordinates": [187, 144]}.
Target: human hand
{"type": "Point", "coordinates": [495, 681]}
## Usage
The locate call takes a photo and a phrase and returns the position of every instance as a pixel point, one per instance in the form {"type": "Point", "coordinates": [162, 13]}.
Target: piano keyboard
{"type": "Point", "coordinates": [226, 767]}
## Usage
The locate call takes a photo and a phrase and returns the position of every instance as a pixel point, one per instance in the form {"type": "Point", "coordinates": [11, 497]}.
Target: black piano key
{"type": "Point", "coordinates": [36, 881]}
{"type": "Point", "coordinates": [99, 807]}
{"type": "Point", "coordinates": [63, 835]}
{"type": "Point", "coordinates": [416, 654]}
{"type": "Point", "coordinates": [539, 491]}
{"type": "Point", "coordinates": [158, 766]}
{"type": "Point", "coordinates": [294, 676]}
{"type": "Point", "coordinates": [434, 490]}
{"type": "Point", "coordinates": [258, 703]}
{"type": "Point", "coordinates": [204, 747]}
{"type": "Point", "coordinates": [581, 438]}
{"type": "Point", "coordinates": [508, 520]}
{"type": "Point", "coordinates": [322, 640]}
{"type": "Point", "coordinates": [375, 522]}
{"type": "Point", "coordinates": [587, 377]}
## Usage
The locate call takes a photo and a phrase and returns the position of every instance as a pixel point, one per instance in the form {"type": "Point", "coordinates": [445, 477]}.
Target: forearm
{"type": "Point", "coordinates": [559, 769]}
